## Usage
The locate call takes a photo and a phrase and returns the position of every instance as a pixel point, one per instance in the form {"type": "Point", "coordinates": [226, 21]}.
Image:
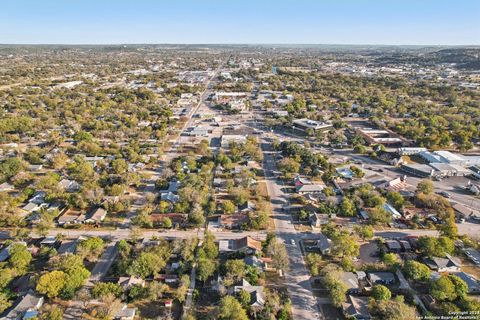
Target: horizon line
{"type": "Point", "coordinates": [238, 44]}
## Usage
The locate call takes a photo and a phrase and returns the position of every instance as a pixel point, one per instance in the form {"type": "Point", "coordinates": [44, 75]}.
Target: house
{"type": "Point", "coordinates": [38, 197]}
{"type": "Point", "coordinates": [28, 304]}
{"type": "Point", "coordinates": [97, 215]}
{"type": "Point", "coordinates": [300, 181]}
{"type": "Point", "coordinates": [170, 197]}
{"type": "Point", "coordinates": [31, 207]}
{"type": "Point", "coordinates": [229, 138]}
{"type": "Point", "coordinates": [393, 212]}
{"type": "Point", "coordinates": [324, 244]}
{"type": "Point", "coordinates": [318, 219]}
{"type": "Point", "coordinates": [167, 278]}
{"type": "Point", "coordinates": [233, 221]}
{"type": "Point", "coordinates": [126, 313]}
{"type": "Point", "coordinates": [69, 185]}
{"type": "Point", "coordinates": [356, 308]}
{"type": "Point", "coordinates": [473, 284]}
{"type": "Point", "coordinates": [393, 246]}
{"type": "Point", "coordinates": [50, 241]}
{"type": "Point", "coordinates": [246, 245]}
{"type": "Point", "coordinates": [397, 184]}
{"type": "Point", "coordinates": [127, 282]}
{"type": "Point", "coordinates": [70, 217]}
{"type": "Point", "coordinates": [172, 187]}
{"type": "Point", "coordinates": [254, 261]}
{"type": "Point", "coordinates": [178, 219]}
{"type": "Point", "coordinates": [310, 188]}
{"type": "Point", "coordinates": [448, 264]}
{"type": "Point", "coordinates": [6, 187]}
{"type": "Point", "coordinates": [350, 280]}
{"type": "Point", "coordinates": [69, 246]}
{"type": "Point", "coordinates": [384, 278]}
{"type": "Point", "coordinates": [247, 207]}
{"type": "Point", "coordinates": [257, 296]}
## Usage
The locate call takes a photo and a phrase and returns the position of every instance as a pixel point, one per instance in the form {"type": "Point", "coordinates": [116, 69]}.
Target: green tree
{"type": "Point", "coordinates": [390, 259]}
{"type": "Point", "coordinates": [395, 199]}
{"type": "Point", "coordinates": [102, 289]}
{"type": "Point", "coordinates": [365, 232]}
{"type": "Point", "coordinates": [231, 309]}
{"type": "Point", "coordinates": [235, 269]}
{"type": "Point", "coordinates": [52, 313]}
{"type": "Point", "coordinates": [313, 262]}
{"type": "Point", "coordinates": [119, 166]}
{"type": "Point", "coordinates": [443, 289]}
{"type": "Point", "coordinates": [51, 283]}
{"type": "Point", "coordinates": [416, 271]}
{"type": "Point", "coordinates": [288, 167]}
{"type": "Point", "coordinates": [277, 251]}
{"type": "Point", "coordinates": [91, 248]}
{"type": "Point", "coordinates": [425, 186]}
{"type": "Point", "coordinates": [379, 215]}
{"type": "Point", "coordinates": [20, 258]}
{"type": "Point", "coordinates": [228, 207]}
{"type": "Point", "coordinates": [205, 268]}
{"type": "Point", "coordinates": [4, 302]}
{"type": "Point", "coordinates": [380, 292]}
{"type": "Point", "coordinates": [347, 208]}
{"type": "Point", "coordinates": [244, 297]}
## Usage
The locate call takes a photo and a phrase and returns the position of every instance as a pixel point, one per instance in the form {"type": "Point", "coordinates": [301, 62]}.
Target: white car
{"type": "Point", "coordinates": [292, 242]}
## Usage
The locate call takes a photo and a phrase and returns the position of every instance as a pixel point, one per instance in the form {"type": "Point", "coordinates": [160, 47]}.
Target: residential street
{"type": "Point", "coordinates": [304, 304]}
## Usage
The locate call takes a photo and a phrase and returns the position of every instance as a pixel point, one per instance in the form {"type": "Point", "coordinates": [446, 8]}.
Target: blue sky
{"type": "Point", "coordinates": [241, 21]}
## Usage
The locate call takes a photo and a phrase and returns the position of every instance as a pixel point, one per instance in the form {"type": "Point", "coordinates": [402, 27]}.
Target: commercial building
{"type": "Point", "coordinates": [307, 124]}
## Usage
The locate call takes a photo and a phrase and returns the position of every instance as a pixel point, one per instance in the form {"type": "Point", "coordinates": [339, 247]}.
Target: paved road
{"type": "Point", "coordinates": [103, 264]}
{"type": "Point", "coordinates": [120, 234]}
{"type": "Point", "coordinates": [297, 278]}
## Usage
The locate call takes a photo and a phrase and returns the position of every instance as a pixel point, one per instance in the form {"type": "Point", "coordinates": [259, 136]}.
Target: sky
{"type": "Point", "coordinates": [395, 22]}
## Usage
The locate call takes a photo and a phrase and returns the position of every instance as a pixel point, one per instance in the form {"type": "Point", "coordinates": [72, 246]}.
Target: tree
{"type": "Point", "coordinates": [277, 251]}
{"type": "Point", "coordinates": [395, 199]}
{"type": "Point", "coordinates": [288, 167]}
{"type": "Point", "coordinates": [167, 223]}
{"type": "Point", "coordinates": [119, 166]}
{"type": "Point", "coordinates": [392, 309]}
{"type": "Point", "coordinates": [146, 264]}
{"type": "Point", "coordinates": [425, 186]}
{"type": "Point", "coordinates": [313, 262]}
{"type": "Point", "coordinates": [390, 259]}
{"type": "Point", "coordinates": [235, 269]}
{"type": "Point", "coordinates": [231, 309]}
{"type": "Point", "coordinates": [52, 283]}
{"type": "Point", "coordinates": [365, 232]}
{"type": "Point", "coordinates": [228, 207]}
{"type": "Point", "coordinates": [435, 247]}
{"type": "Point", "coordinates": [443, 289]}
{"type": "Point", "coordinates": [379, 215]}
{"type": "Point", "coordinates": [91, 248]}
{"type": "Point", "coordinates": [416, 271]}
{"type": "Point", "coordinates": [337, 290]}
{"type": "Point", "coordinates": [4, 302]}
{"type": "Point", "coordinates": [347, 208]}
{"type": "Point", "coordinates": [101, 289]}
{"type": "Point", "coordinates": [20, 258]}
{"type": "Point", "coordinates": [52, 313]}
{"type": "Point", "coordinates": [205, 268]}
{"type": "Point", "coordinates": [244, 297]}
{"type": "Point", "coordinates": [380, 292]}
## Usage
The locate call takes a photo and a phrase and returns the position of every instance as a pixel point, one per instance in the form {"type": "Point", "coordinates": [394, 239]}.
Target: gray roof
{"type": "Point", "coordinates": [381, 277]}
{"type": "Point", "coordinates": [23, 304]}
